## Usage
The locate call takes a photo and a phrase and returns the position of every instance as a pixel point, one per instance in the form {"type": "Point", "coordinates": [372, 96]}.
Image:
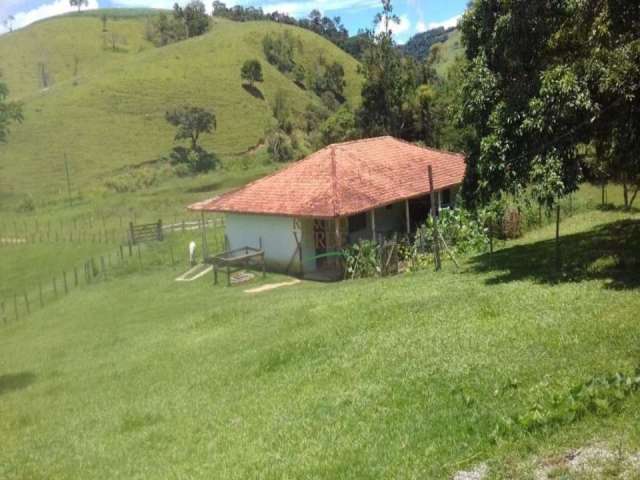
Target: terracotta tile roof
{"type": "Point", "coordinates": [344, 179]}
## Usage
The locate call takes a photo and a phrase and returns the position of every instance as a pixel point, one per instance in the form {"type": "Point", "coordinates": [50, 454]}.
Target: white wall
{"type": "Point", "coordinates": [276, 232]}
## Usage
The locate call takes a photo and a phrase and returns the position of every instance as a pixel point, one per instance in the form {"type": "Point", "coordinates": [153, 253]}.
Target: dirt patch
{"type": "Point", "coordinates": [592, 462]}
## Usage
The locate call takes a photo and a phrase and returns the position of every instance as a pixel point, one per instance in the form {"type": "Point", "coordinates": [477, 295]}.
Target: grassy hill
{"type": "Point", "coordinates": [144, 377]}
{"type": "Point", "coordinates": [111, 114]}
{"type": "Point", "coordinates": [449, 51]}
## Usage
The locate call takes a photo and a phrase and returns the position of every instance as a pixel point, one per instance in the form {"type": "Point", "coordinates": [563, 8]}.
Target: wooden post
{"type": "Point", "coordinates": [130, 248]}
{"type": "Point", "coordinates": [64, 279]}
{"type": "Point", "coordinates": [121, 253]}
{"type": "Point", "coordinates": [434, 218]}
{"type": "Point", "coordinates": [26, 302]}
{"type": "Point", "coordinates": [215, 274]}
{"type": "Point", "coordinates": [159, 230]}
{"type": "Point", "coordinates": [139, 256]}
{"type": "Point", "coordinates": [264, 268]}
{"type": "Point", "coordinates": [103, 266]}
{"type": "Point", "coordinates": [205, 249]}
{"type": "Point", "coordinates": [407, 216]}
{"type": "Point", "coordinates": [558, 258]}
{"type": "Point", "coordinates": [373, 224]}
{"type": "Point", "coordinates": [132, 238]}
{"type": "Point", "coordinates": [75, 276]}
{"type": "Point", "coordinates": [55, 287]}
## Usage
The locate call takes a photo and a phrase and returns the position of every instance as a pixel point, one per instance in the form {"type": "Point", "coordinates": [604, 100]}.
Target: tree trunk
{"type": "Point", "coordinates": [625, 194]}
{"type": "Point", "coordinates": [635, 194]}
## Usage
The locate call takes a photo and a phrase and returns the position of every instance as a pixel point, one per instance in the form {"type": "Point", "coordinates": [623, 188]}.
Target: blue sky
{"type": "Point", "coordinates": [415, 15]}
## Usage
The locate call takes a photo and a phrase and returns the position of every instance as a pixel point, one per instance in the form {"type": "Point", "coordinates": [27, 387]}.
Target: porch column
{"type": "Point", "coordinates": [407, 216]}
{"type": "Point", "coordinates": [373, 224]}
{"type": "Point", "coordinates": [338, 236]}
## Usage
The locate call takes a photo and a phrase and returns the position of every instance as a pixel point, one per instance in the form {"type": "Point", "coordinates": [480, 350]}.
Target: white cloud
{"type": "Point", "coordinates": [58, 7]}
{"type": "Point", "coordinates": [297, 9]}
{"type": "Point", "coordinates": [451, 22]}
{"type": "Point", "coordinates": [421, 26]}
{"type": "Point", "coordinates": [399, 30]}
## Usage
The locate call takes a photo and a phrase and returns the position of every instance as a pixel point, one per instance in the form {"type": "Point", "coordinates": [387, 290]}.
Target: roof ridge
{"type": "Point", "coordinates": [439, 150]}
{"type": "Point", "coordinates": [359, 140]}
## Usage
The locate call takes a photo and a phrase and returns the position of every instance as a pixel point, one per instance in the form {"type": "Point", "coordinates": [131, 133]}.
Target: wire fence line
{"type": "Point", "coordinates": [124, 259]}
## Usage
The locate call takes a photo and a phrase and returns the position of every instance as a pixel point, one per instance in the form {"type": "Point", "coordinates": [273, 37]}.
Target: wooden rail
{"type": "Point", "coordinates": [145, 232]}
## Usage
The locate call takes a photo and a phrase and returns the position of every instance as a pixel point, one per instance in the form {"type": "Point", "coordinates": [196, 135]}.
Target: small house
{"type": "Point", "coordinates": [346, 192]}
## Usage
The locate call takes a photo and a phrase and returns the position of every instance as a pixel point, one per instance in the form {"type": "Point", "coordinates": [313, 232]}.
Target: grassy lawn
{"type": "Point", "coordinates": [406, 377]}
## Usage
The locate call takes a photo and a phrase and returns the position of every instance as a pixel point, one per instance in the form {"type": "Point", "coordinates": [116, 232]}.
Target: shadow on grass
{"type": "Point", "coordinates": [252, 90]}
{"type": "Point", "coordinates": [16, 381]}
{"type": "Point", "coordinates": [609, 252]}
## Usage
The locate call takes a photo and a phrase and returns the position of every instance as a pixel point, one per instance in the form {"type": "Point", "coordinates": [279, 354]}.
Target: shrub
{"type": "Point", "coordinates": [362, 260]}
{"type": "Point", "coordinates": [280, 147]}
{"type": "Point", "coordinates": [251, 71]}
{"type": "Point", "coordinates": [133, 180]}
{"type": "Point", "coordinates": [26, 205]}
{"type": "Point", "coordinates": [279, 50]}
{"type": "Point", "coordinates": [462, 232]}
{"type": "Point", "coordinates": [196, 160]}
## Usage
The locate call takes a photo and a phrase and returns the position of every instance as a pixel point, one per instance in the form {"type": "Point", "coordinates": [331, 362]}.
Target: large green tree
{"type": "Point", "coordinates": [10, 112]}
{"type": "Point", "coordinates": [191, 122]}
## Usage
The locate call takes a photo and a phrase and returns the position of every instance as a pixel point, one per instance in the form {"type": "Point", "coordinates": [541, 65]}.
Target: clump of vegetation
{"type": "Point", "coordinates": [251, 72]}
{"type": "Point", "coordinates": [26, 205]}
{"type": "Point", "coordinates": [362, 260]}
{"type": "Point", "coordinates": [280, 49]}
{"type": "Point", "coordinates": [191, 123]}
{"type": "Point", "coordinates": [327, 79]}
{"type": "Point", "coordinates": [187, 22]}
{"type": "Point", "coordinates": [133, 180]}
{"type": "Point", "coordinates": [600, 395]}
{"type": "Point", "coordinates": [10, 112]}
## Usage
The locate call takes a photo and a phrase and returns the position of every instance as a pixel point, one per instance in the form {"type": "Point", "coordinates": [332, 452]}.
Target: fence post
{"type": "Point", "coordinates": [159, 230]}
{"type": "Point", "coordinates": [130, 248]}
{"type": "Point", "coordinates": [75, 276]}
{"type": "Point", "coordinates": [121, 253]}
{"type": "Point", "coordinates": [64, 279]}
{"type": "Point", "coordinates": [139, 256]}
{"type": "Point", "coordinates": [55, 287]}
{"type": "Point", "coordinates": [26, 302]}
{"type": "Point", "coordinates": [103, 266]}
{"type": "Point", "coordinates": [132, 238]}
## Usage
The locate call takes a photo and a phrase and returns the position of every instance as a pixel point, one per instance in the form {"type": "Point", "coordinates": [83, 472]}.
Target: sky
{"type": "Point", "coordinates": [415, 15]}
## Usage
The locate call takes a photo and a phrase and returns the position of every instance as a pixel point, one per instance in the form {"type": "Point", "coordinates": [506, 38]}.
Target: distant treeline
{"type": "Point", "coordinates": [419, 45]}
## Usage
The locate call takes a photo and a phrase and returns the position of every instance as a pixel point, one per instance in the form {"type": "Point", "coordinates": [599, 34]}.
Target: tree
{"type": "Point", "coordinates": [79, 3]}
{"type": "Point", "coordinates": [191, 122]}
{"type": "Point", "coordinates": [8, 23]}
{"type": "Point", "coordinates": [194, 17]}
{"type": "Point", "coordinates": [251, 71]}
{"type": "Point", "coordinates": [387, 84]}
{"type": "Point", "coordinates": [10, 112]}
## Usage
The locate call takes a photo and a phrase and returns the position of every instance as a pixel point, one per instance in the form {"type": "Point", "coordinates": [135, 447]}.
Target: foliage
{"type": "Point", "coordinates": [26, 205]}
{"type": "Point", "coordinates": [279, 50]}
{"type": "Point", "coordinates": [10, 112]}
{"type": "Point", "coordinates": [282, 111]}
{"type": "Point", "coordinates": [193, 160]}
{"type": "Point", "coordinates": [339, 127]}
{"type": "Point", "coordinates": [251, 71]}
{"type": "Point", "coordinates": [190, 21]}
{"type": "Point", "coordinates": [193, 16]}
{"type": "Point", "coordinates": [329, 28]}
{"type": "Point", "coordinates": [280, 147]}
{"type": "Point", "coordinates": [327, 78]}
{"type": "Point", "coordinates": [362, 259]}
{"type": "Point", "coordinates": [463, 233]}
{"type": "Point", "coordinates": [191, 122]}
{"type": "Point", "coordinates": [78, 3]}
{"type": "Point", "coordinates": [600, 396]}
{"type": "Point", "coordinates": [134, 180]}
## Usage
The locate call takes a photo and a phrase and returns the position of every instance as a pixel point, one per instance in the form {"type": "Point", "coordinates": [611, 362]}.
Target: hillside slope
{"type": "Point", "coordinates": [112, 114]}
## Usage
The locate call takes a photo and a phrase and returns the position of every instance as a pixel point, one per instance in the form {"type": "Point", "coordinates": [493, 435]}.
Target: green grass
{"type": "Point", "coordinates": [404, 377]}
{"type": "Point", "coordinates": [449, 51]}
{"type": "Point", "coordinates": [112, 114]}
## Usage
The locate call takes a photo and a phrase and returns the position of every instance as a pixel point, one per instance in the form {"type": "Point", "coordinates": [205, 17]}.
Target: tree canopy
{"type": "Point", "coordinates": [10, 112]}
{"type": "Point", "coordinates": [251, 71]}
{"type": "Point", "coordinates": [191, 122]}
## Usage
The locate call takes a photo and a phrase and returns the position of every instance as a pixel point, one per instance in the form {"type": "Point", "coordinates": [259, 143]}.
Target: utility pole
{"type": "Point", "coordinates": [434, 218]}
{"type": "Point", "coordinates": [66, 171]}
